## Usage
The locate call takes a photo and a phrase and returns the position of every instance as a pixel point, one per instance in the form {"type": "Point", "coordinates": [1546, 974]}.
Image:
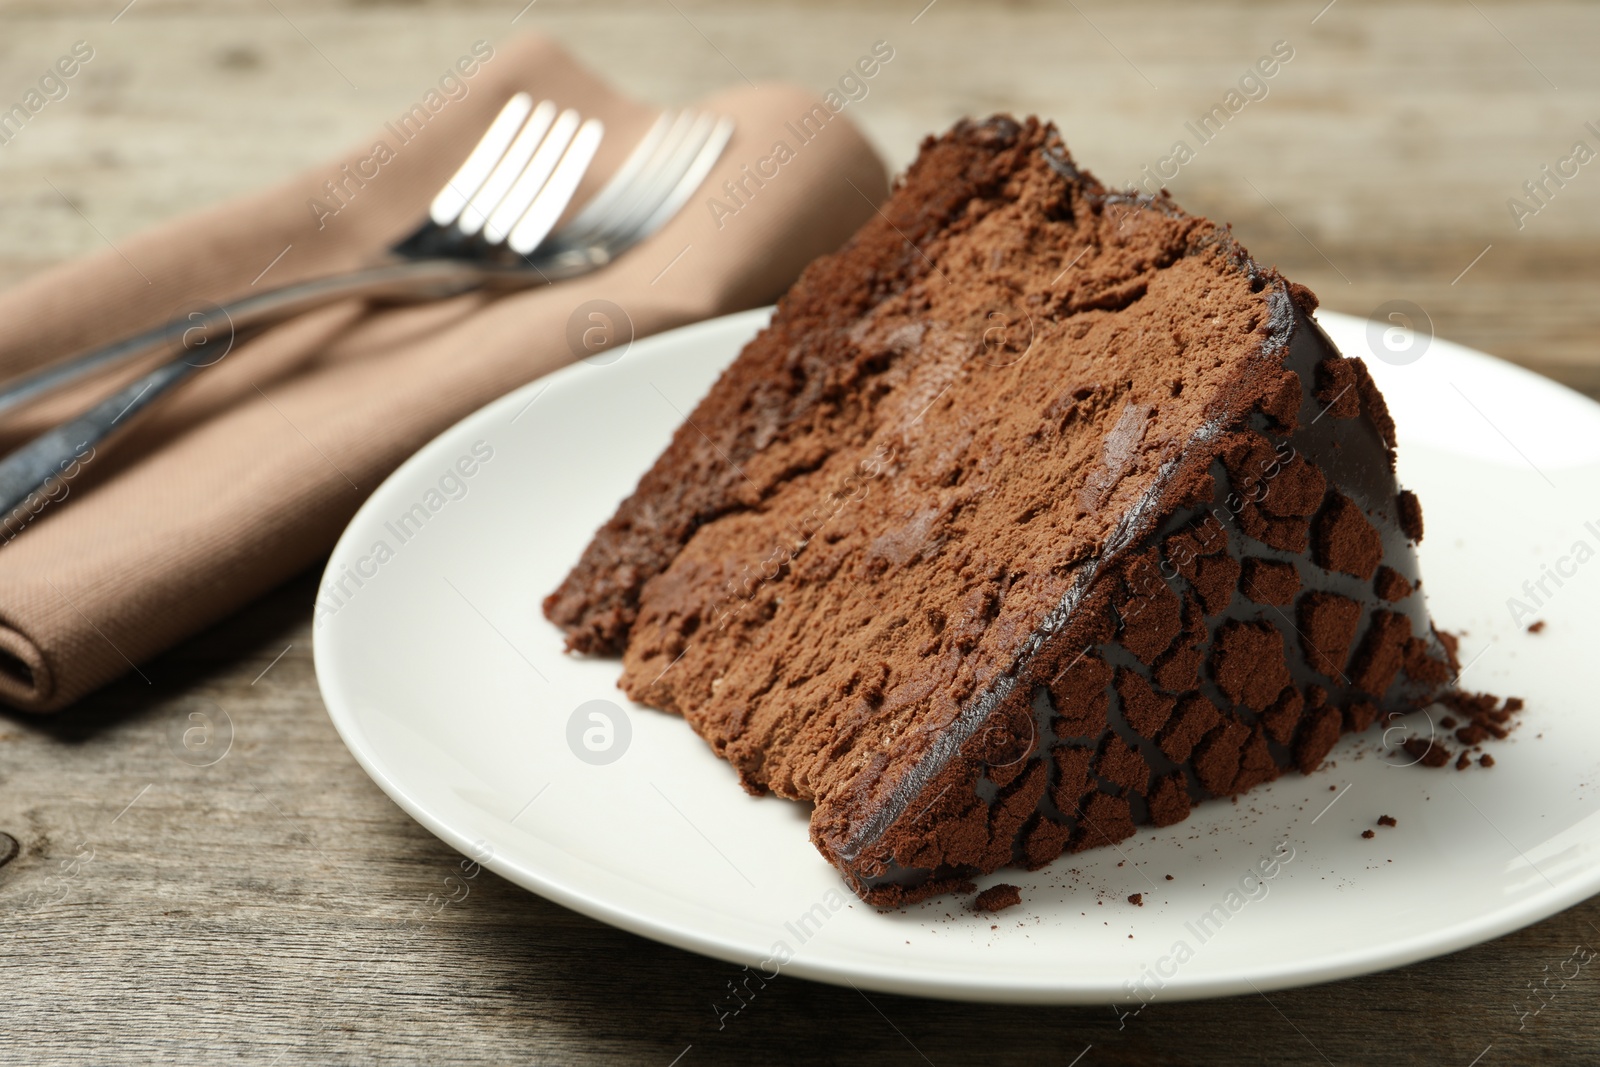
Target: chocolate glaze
{"type": "Point", "coordinates": [1355, 460]}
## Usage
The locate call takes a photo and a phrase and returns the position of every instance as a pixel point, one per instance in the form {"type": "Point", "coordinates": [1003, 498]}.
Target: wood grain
{"type": "Point", "coordinates": [274, 906]}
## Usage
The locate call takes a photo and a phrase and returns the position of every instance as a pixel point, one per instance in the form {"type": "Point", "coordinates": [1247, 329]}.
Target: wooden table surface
{"type": "Point", "coordinates": [272, 906]}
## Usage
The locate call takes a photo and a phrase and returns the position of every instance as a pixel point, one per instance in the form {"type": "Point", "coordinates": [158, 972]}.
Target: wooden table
{"type": "Point", "coordinates": [272, 906]}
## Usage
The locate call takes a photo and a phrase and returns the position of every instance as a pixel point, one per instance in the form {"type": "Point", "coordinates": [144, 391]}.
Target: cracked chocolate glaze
{"type": "Point", "coordinates": [1281, 332]}
{"type": "Point", "coordinates": [1354, 459]}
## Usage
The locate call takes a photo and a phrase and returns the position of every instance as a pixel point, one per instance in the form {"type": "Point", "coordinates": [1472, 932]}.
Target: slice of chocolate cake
{"type": "Point", "coordinates": [1039, 511]}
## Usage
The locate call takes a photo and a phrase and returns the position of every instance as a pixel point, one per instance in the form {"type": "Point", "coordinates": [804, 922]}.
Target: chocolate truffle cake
{"type": "Point", "coordinates": [1039, 511]}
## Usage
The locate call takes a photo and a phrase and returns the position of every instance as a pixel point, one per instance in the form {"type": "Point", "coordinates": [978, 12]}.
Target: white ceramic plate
{"type": "Point", "coordinates": [453, 693]}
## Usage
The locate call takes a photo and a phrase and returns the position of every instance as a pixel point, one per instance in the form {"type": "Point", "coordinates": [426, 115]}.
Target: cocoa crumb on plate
{"type": "Point", "coordinates": [997, 898]}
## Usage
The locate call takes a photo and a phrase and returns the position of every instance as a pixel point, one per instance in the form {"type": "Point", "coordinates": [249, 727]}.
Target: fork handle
{"type": "Point", "coordinates": [40, 472]}
{"type": "Point", "coordinates": [415, 280]}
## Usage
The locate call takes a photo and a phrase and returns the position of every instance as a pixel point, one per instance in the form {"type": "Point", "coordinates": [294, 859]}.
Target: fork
{"type": "Point", "coordinates": [489, 227]}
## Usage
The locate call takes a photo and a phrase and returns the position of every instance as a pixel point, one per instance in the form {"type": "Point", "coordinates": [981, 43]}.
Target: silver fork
{"type": "Point", "coordinates": [489, 227]}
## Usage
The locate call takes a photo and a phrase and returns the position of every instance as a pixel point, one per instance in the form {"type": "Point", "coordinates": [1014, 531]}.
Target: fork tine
{"type": "Point", "coordinates": [628, 198]}
{"type": "Point", "coordinates": [538, 169]}
{"type": "Point", "coordinates": [706, 158]}
{"type": "Point", "coordinates": [553, 199]}
{"type": "Point", "coordinates": [664, 177]}
{"type": "Point", "coordinates": [494, 187]}
{"type": "Point", "coordinates": [592, 213]}
{"type": "Point", "coordinates": [453, 197]}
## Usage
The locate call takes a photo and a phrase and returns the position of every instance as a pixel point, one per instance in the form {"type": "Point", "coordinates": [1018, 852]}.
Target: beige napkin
{"type": "Point", "coordinates": [249, 475]}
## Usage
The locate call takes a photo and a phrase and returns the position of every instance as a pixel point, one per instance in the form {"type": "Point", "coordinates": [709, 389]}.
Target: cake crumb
{"type": "Point", "coordinates": [1536, 627]}
{"type": "Point", "coordinates": [1388, 820]}
{"type": "Point", "coordinates": [1486, 760]}
{"type": "Point", "coordinates": [997, 898]}
{"type": "Point", "coordinates": [1169, 877]}
{"type": "Point", "coordinates": [1463, 761]}
{"type": "Point", "coordinates": [1136, 899]}
{"type": "Point", "coordinates": [1427, 752]}
{"type": "Point", "coordinates": [1368, 834]}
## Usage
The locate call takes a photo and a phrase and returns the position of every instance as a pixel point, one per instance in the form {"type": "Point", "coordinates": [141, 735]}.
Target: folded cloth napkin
{"type": "Point", "coordinates": [250, 473]}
